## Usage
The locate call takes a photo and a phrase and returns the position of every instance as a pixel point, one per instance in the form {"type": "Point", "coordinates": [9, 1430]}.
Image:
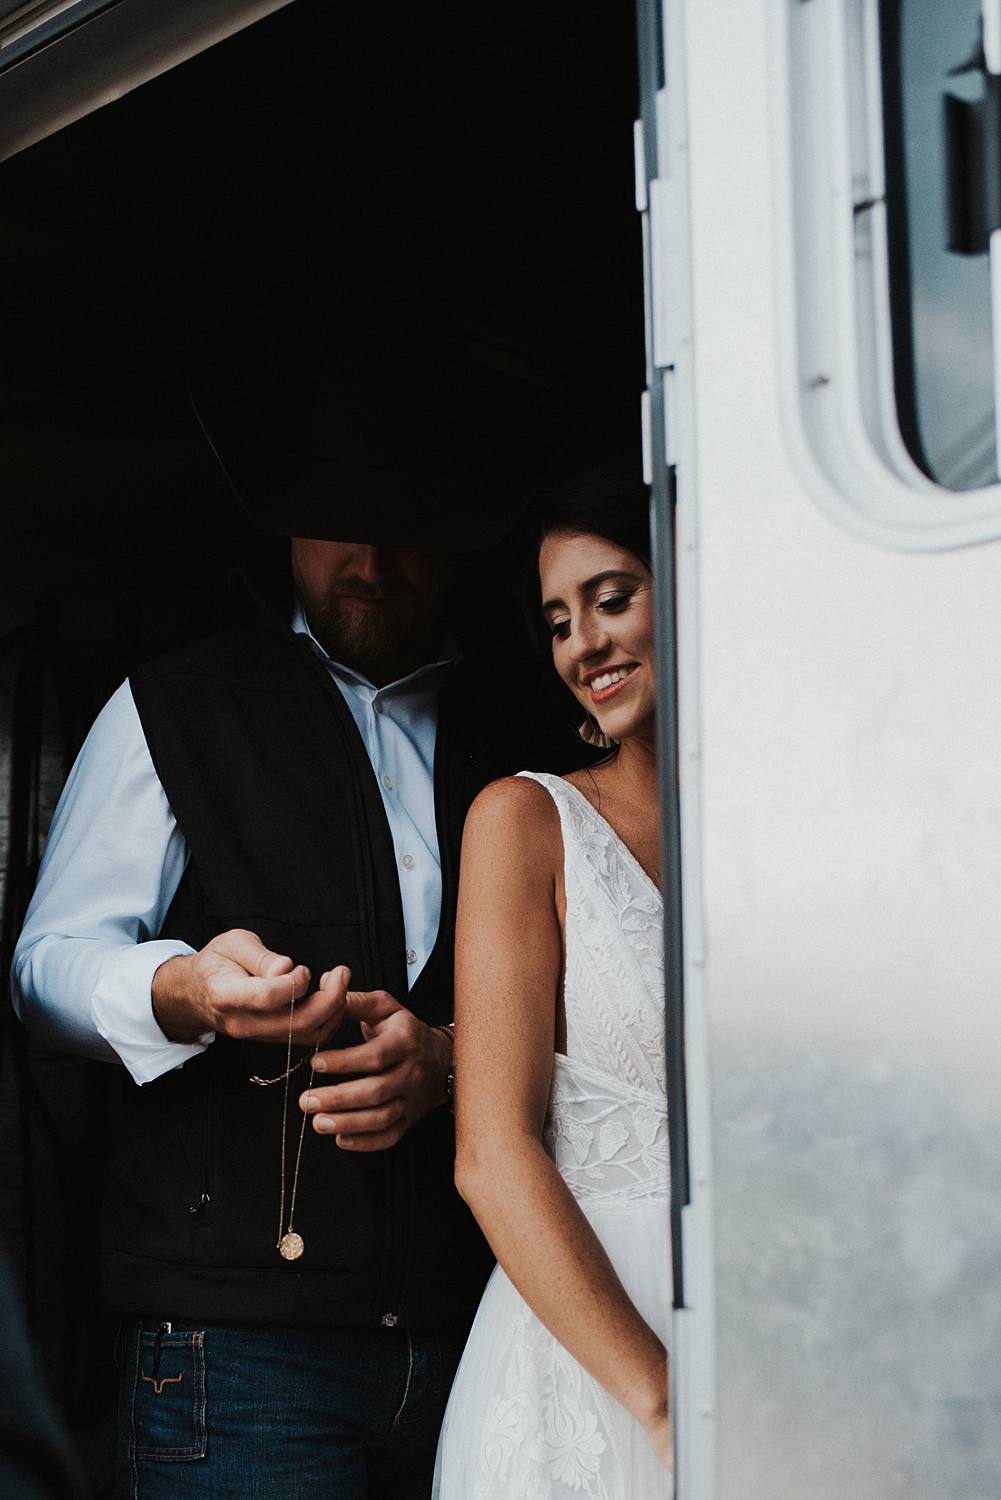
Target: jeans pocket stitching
{"type": "Point", "coordinates": [175, 1452]}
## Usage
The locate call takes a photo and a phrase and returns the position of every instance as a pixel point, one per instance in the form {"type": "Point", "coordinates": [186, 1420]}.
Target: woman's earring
{"type": "Point", "coordinates": [592, 734]}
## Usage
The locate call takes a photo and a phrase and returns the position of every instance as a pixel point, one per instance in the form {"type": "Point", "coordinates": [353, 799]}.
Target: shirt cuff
{"type": "Point", "coordinates": [122, 1007]}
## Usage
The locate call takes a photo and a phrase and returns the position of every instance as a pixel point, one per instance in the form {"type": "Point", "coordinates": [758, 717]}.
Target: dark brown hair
{"type": "Point", "coordinates": [610, 501]}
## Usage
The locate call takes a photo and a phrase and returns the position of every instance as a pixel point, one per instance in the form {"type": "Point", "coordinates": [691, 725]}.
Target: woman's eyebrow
{"type": "Point", "coordinates": [590, 584]}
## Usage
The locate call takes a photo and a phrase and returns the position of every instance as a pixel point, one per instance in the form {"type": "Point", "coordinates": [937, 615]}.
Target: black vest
{"type": "Point", "coordinates": [274, 793]}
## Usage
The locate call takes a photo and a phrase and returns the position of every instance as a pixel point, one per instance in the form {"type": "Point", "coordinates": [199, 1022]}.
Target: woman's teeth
{"type": "Point", "coordinates": [599, 684]}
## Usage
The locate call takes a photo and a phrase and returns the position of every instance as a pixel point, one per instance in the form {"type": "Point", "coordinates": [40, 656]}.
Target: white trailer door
{"type": "Point", "coordinates": [832, 772]}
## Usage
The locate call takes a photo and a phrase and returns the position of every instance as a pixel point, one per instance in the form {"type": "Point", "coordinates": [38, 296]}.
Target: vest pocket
{"type": "Point", "coordinates": [168, 1398]}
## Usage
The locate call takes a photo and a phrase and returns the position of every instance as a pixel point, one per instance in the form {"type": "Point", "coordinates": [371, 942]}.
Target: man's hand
{"type": "Point", "coordinates": [237, 987]}
{"type": "Point", "coordinates": [406, 1064]}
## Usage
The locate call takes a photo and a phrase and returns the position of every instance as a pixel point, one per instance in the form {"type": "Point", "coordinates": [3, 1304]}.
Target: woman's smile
{"type": "Point", "coordinates": [609, 681]}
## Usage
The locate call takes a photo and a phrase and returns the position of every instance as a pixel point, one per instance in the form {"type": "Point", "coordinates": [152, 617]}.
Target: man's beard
{"type": "Point", "coordinates": [364, 636]}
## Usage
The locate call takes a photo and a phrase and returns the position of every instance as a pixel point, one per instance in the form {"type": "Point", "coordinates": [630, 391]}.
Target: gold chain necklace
{"type": "Point", "coordinates": [290, 1245]}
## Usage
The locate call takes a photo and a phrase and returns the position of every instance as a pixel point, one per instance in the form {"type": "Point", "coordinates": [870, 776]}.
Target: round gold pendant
{"type": "Point", "coordinates": [291, 1246]}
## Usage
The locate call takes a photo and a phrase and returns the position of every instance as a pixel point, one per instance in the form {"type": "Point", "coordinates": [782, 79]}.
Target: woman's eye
{"type": "Point", "coordinates": [559, 629]}
{"type": "Point", "coordinates": [613, 603]}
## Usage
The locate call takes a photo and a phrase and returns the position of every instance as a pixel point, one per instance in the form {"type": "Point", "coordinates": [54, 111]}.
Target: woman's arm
{"type": "Point", "coordinates": [509, 963]}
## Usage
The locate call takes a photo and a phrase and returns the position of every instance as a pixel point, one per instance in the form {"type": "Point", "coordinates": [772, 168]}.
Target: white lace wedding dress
{"type": "Point", "coordinates": [525, 1421]}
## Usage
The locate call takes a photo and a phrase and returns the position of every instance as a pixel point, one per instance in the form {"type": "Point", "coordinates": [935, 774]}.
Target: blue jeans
{"type": "Point", "coordinates": [281, 1413]}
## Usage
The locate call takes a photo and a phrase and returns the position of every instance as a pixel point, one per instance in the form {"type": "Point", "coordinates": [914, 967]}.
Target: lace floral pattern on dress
{"type": "Point", "coordinates": [567, 1451]}
{"type": "Point", "coordinates": [525, 1421]}
{"type": "Point", "coordinates": [609, 1143]}
{"type": "Point", "coordinates": [614, 982]}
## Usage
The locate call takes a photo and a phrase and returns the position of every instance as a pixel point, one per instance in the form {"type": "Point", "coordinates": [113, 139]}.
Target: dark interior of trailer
{"type": "Point", "coordinates": [372, 189]}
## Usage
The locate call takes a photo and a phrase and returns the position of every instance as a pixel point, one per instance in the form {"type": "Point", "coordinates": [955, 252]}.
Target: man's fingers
{"type": "Point", "coordinates": [258, 1009]}
{"type": "Point", "coordinates": [317, 1018]}
{"type": "Point", "coordinates": [361, 1121]}
{"type": "Point", "coordinates": [321, 1013]}
{"type": "Point", "coordinates": [375, 1056]}
{"type": "Point", "coordinates": [371, 1005]}
{"type": "Point", "coordinates": [338, 978]}
{"type": "Point", "coordinates": [357, 1093]}
{"type": "Point", "coordinates": [376, 1140]}
{"type": "Point", "coordinates": [247, 951]}
{"type": "Point", "coordinates": [309, 1027]}
{"type": "Point", "coordinates": [240, 992]}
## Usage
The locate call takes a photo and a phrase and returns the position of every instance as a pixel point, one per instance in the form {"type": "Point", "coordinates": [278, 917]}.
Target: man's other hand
{"type": "Point", "coordinates": [405, 1065]}
{"type": "Point", "coordinates": [236, 987]}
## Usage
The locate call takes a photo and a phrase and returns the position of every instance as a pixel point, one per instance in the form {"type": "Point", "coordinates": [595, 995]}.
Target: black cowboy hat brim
{"type": "Point", "coordinates": [322, 434]}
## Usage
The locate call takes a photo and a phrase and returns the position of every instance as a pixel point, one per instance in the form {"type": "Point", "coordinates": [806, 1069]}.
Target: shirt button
{"type": "Point", "coordinates": [411, 956]}
{"type": "Point", "coordinates": [408, 861]}
{"type": "Point", "coordinates": [387, 781]}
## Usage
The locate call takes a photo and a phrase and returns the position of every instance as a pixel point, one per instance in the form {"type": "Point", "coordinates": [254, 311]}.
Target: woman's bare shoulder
{"type": "Point", "coordinates": [515, 809]}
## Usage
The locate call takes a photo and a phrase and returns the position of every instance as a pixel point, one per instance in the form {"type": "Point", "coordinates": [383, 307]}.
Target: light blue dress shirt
{"type": "Point", "coordinates": [84, 964]}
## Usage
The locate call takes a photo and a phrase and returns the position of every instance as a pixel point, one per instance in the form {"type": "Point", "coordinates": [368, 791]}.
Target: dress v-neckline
{"type": "Point", "coordinates": [623, 846]}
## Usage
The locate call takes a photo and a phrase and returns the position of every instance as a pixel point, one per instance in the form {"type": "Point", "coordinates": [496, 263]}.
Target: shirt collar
{"type": "Point", "coordinates": [426, 677]}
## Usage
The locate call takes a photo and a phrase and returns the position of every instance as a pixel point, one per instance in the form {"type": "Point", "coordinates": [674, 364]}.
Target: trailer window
{"type": "Point", "coordinates": [933, 77]}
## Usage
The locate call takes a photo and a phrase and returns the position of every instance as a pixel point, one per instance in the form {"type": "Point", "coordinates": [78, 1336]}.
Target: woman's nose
{"type": "Point", "coordinates": [587, 639]}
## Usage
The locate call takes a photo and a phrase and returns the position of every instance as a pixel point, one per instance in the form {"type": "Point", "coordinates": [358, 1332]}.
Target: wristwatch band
{"type": "Point", "coordinates": [449, 1031]}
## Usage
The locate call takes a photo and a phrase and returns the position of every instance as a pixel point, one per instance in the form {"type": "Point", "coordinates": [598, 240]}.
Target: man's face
{"type": "Point", "coordinates": [377, 609]}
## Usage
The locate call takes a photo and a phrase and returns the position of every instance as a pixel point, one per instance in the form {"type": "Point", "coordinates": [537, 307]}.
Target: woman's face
{"type": "Point", "coordinates": [597, 599]}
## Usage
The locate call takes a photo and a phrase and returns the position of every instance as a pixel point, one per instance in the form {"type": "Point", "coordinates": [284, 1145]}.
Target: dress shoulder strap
{"type": "Point", "coordinates": [560, 791]}
{"type": "Point", "coordinates": [570, 805]}
{"type": "Point", "coordinates": [589, 837]}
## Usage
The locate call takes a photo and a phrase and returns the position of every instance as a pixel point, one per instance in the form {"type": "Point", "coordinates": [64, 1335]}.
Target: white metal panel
{"type": "Point", "coordinates": [851, 876]}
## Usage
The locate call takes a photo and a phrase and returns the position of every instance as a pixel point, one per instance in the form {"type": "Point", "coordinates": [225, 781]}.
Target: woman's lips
{"type": "Point", "coordinates": [602, 695]}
